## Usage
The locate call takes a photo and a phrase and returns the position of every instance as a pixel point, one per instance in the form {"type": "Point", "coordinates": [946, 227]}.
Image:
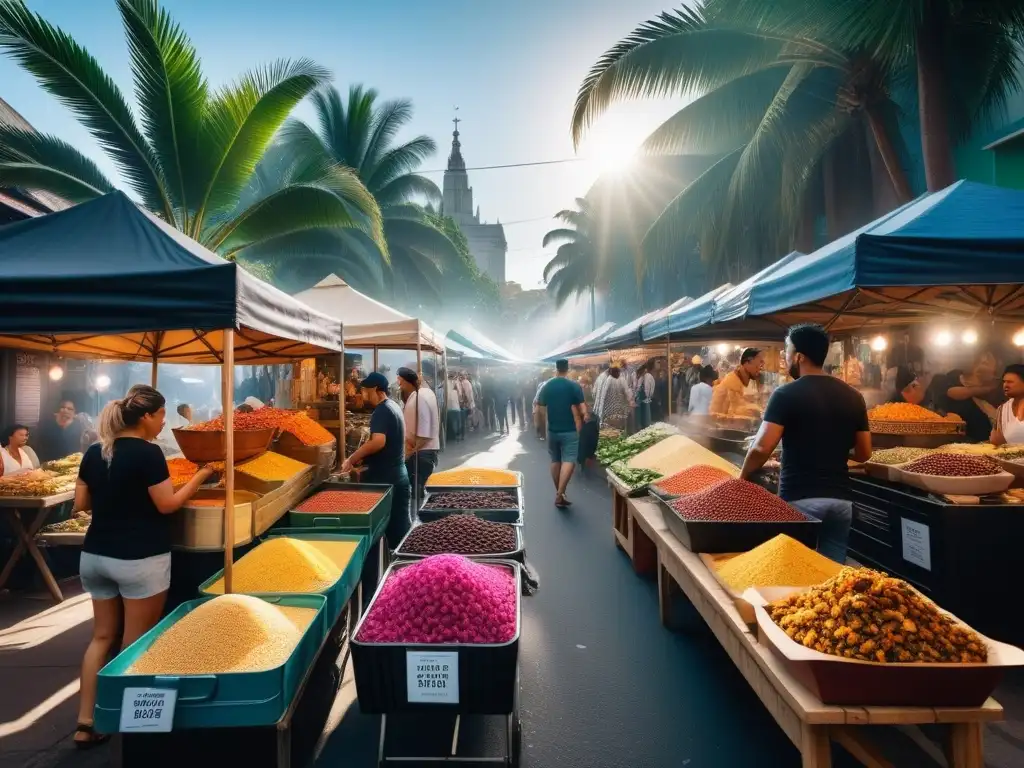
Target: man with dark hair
{"type": "Point", "coordinates": [185, 411]}
{"type": "Point", "coordinates": [818, 419]}
{"type": "Point", "coordinates": [62, 435]}
{"type": "Point", "coordinates": [728, 398]}
{"type": "Point", "coordinates": [422, 429]}
{"type": "Point", "coordinates": [384, 453]}
{"type": "Point", "coordinates": [563, 401]}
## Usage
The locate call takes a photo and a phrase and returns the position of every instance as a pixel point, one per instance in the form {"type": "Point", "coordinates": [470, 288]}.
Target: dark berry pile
{"type": "Point", "coordinates": [953, 465]}
{"type": "Point", "coordinates": [735, 501]}
{"type": "Point", "coordinates": [460, 535]}
{"type": "Point", "coordinates": [473, 500]}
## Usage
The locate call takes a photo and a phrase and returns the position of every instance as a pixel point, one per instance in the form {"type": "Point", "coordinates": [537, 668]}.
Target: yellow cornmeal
{"type": "Point", "coordinates": [289, 565]}
{"type": "Point", "coordinates": [779, 562]}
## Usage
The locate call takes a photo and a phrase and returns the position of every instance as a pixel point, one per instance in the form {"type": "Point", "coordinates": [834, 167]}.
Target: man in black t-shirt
{"type": "Point", "coordinates": [819, 419]}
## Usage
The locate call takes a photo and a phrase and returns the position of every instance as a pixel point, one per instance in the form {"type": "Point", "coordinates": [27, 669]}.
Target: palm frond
{"type": "Point", "coordinates": [36, 161]}
{"type": "Point", "coordinates": [561, 235]}
{"type": "Point", "coordinates": [329, 247]}
{"type": "Point", "coordinates": [400, 160]}
{"type": "Point", "coordinates": [407, 188]}
{"type": "Point", "coordinates": [388, 119]}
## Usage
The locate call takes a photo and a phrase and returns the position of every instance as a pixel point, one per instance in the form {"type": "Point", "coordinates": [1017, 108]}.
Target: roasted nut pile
{"type": "Point", "coordinates": [953, 465]}
{"type": "Point", "coordinates": [472, 500]}
{"type": "Point", "coordinates": [460, 535]}
{"type": "Point", "coordinates": [868, 615]}
{"type": "Point", "coordinates": [692, 480]}
{"type": "Point", "coordinates": [735, 501]}
{"type": "Point", "coordinates": [891, 456]}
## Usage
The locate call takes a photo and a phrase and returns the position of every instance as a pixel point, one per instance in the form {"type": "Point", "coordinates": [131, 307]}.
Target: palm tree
{"type": "Point", "coordinates": [192, 152]}
{"type": "Point", "coordinates": [576, 267]}
{"type": "Point", "coordinates": [358, 132]}
{"type": "Point", "coordinates": [965, 56]}
{"type": "Point", "coordinates": [770, 106]}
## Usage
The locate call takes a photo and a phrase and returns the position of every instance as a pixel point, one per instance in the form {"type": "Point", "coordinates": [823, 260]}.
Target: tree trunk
{"type": "Point", "coordinates": [890, 157]}
{"type": "Point", "coordinates": [932, 95]}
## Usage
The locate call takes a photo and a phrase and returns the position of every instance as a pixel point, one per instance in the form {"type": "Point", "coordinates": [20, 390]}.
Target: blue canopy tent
{"type": "Point", "coordinates": [694, 314]}
{"type": "Point", "coordinates": [486, 349]}
{"type": "Point", "coordinates": [575, 346]}
{"type": "Point", "coordinates": [629, 336]}
{"type": "Point", "coordinates": [958, 252]}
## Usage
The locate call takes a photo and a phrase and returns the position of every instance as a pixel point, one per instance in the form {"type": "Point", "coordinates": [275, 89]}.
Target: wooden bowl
{"type": "Point", "coordinates": [203, 447]}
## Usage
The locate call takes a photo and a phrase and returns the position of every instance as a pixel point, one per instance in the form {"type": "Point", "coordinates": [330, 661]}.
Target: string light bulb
{"type": "Point", "coordinates": [943, 339]}
{"type": "Point", "coordinates": [970, 336]}
{"type": "Point", "coordinates": [723, 349]}
{"type": "Point", "coordinates": [1018, 338]}
{"type": "Point", "coordinates": [56, 373]}
{"type": "Point", "coordinates": [879, 344]}
{"type": "Point", "coordinates": [102, 382]}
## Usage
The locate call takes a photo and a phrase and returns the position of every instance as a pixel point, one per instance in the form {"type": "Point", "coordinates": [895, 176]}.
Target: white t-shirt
{"type": "Point", "coordinates": [28, 462]}
{"type": "Point", "coordinates": [1009, 425]}
{"type": "Point", "coordinates": [700, 398]}
{"type": "Point", "coordinates": [428, 418]}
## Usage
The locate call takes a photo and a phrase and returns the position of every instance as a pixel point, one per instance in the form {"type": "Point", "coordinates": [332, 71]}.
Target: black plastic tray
{"type": "Point", "coordinates": [518, 554]}
{"type": "Point", "coordinates": [349, 522]}
{"type": "Point", "coordinates": [487, 673]}
{"type": "Point", "coordinates": [511, 516]}
{"type": "Point", "coordinates": [716, 537]}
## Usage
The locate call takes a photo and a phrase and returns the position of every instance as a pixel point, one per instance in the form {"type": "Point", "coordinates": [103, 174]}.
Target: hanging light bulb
{"type": "Point", "coordinates": [56, 373]}
{"type": "Point", "coordinates": [943, 338]}
{"type": "Point", "coordinates": [1018, 338]}
{"type": "Point", "coordinates": [879, 343]}
{"type": "Point", "coordinates": [723, 349]}
{"type": "Point", "coordinates": [102, 382]}
{"type": "Point", "coordinates": [970, 336]}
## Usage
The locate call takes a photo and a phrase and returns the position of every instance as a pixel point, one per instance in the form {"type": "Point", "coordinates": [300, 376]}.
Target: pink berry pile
{"type": "Point", "coordinates": [444, 599]}
{"type": "Point", "coordinates": [953, 465]}
{"type": "Point", "coordinates": [735, 501]}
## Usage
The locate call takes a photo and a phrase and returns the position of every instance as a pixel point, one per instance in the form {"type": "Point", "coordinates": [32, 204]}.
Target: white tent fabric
{"type": "Point", "coordinates": [367, 322]}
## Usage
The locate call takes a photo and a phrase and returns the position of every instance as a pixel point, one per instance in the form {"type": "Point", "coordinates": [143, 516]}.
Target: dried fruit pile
{"type": "Point", "coordinates": [692, 480]}
{"type": "Point", "coordinates": [443, 599]}
{"type": "Point", "coordinates": [953, 465]}
{"type": "Point", "coordinates": [779, 562]}
{"type": "Point", "coordinates": [472, 500]}
{"type": "Point", "coordinates": [460, 535]}
{"type": "Point", "coordinates": [297, 423]}
{"type": "Point", "coordinates": [901, 455]}
{"type": "Point", "coordinates": [907, 412]}
{"type": "Point", "coordinates": [735, 501]}
{"type": "Point", "coordinates": [334, 502]}
{"type": "Point", "coordinates": [868, 615]}
{"type": "Point", "coordinates": [473, 476]}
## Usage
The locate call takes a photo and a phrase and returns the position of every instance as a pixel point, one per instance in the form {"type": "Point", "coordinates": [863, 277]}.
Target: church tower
{"type": "Point", "coordinates": [486, 241]}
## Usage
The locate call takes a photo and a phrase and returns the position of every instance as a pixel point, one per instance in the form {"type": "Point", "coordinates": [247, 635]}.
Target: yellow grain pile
{"type": "Point", "coordinates": [287, 565]}
{"type": "Point", "coordinates": [230, 633]}
{"type": "Point", "coordinates": [676, 453]}
{"type": "Point", "coordinates": [780, 562]}
{"type": "Point", "coordinates": [272, 467]}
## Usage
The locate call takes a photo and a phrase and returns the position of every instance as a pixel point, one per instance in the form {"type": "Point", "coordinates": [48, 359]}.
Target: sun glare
{"type": "Point", "coordinates": [611, 145]}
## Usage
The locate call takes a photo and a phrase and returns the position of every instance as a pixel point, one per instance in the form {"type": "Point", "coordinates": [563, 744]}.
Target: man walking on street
{"type": "Point", "coordinates": [563, 400]}
{"type": "Point", "coordinates": [644, 396]}
{"type": "Point", "coordinates": [819, 419]}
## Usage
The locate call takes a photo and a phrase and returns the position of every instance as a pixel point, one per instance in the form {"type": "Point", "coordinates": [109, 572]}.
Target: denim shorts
{"type": "Point", "coordinates": [108, 577]}
{"type": "Point", "coordinates": [563, 447]}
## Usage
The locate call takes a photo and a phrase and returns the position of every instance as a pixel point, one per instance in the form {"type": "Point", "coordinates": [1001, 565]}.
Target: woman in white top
{"type": "Point", "coordinates": [1010, 416]}
{"type": "Point", "coordinates": [16, 455]}
{"type": "Point", "coordinates": [700, 393]}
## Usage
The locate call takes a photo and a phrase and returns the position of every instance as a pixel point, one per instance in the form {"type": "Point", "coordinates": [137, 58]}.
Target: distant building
{"type": "Point", "coordinates": [486, 241]}
{"type": "Point", "coordinates": [17, 204]}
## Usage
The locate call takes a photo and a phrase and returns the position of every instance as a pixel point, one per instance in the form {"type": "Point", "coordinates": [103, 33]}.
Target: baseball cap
{"type": "Point", "coordinates": [374, 381]}
{"type": "Point", "coordinates": [409, 375]}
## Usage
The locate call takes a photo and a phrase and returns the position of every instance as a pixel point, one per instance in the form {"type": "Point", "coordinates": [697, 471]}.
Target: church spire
{"type": "Point", "coordinates": [455, 161]}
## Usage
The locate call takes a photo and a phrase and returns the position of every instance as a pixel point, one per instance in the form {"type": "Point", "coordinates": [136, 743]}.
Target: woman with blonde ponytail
{"type": "Point", "coordinates": [126, 558]}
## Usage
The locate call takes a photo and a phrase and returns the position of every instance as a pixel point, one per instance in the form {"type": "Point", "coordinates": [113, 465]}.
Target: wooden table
{"type": "Point", "coordinates": [808, 723]}
{"type": "Point", "coordinates": [639, 548]}
{"type": "Point", "coordinates": [36, 509]}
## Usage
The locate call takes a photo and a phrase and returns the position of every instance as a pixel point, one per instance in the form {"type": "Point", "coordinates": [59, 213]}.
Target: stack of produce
{"type": "Point", "coordinates": [691, 480]}
{"type": "Point", "coordinates": [67, 466]}
{"type": "Point", "coordinates": [443, 599]}
{"type": "Point", "coordinates": [230, 633]}
{"type": "Point", "coordinates": [676, 453]}
{"type": "Point", "coordinates": [659, 430]}
{"type": "Point", "coordinates": [907, 412]}
{"type": "Point", "coordinates": [868, 615]}
{"type": "Point", "coordinates": [633, 479]}
{"type": "Point", "coordinates": [283, 564]}
{"type": "Point", "coordinates": [341, 502]}
{"type": "Point", "coordinates": [272, 467]}
{"type": "Point", "coordinates": [79, 523]}
{"type": "Point", "coordinates": [779, 562]}
{"type": "Point", "coordinates": [735, 501]}
{"type": "Point", "coordinates": [296, 423]}
{"type": "Point", "coordinates": [472, 500]}
{"type": "Point", "coordinates": [953, 465]}
{"type": "Point", "coordinates": [473, 476]}
{"type": "Point", "coordinates": [973, 449]}
{"type": "Point", "coordinates": [460, 535]}
{"type": "Point", "coordinates": [38, 482]}
{"type": "Point", "coordinates": [1014, 453]}
{"type": "Point", "coordinates": [613, 450]}
{"type": "Point", "coordinates": [890, 456]}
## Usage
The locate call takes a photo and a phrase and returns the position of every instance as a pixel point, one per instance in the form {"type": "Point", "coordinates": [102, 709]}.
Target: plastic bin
{"type": "Point", "coordinates": [715, 537]}
{"type": "Point", "coordinates": [226, 700]}
{"type": "Point", "coordinates": [339, 592]}
{"type": "Point", "coordinates": [487, 673]}
{"type": "Point", "coordinates": [511, 516]}
{"type": "Point", "coordinates": [518, 554]}
{"type": "Point", "coordinates": [365, 523]}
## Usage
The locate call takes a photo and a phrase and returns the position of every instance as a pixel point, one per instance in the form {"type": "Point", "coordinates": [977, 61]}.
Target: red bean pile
{"type": "Point", "coordinates": [473, 500]}
{"type": "Point", "coordinates": [460, 535]}
{"type": "Point", "coordinates": [953, 465]}
{"type": "Point", "coordinates": [735, 501]}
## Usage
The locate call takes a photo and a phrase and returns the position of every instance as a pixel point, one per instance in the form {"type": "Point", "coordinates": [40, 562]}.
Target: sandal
{"type": "Point", "coordinates": [561, 503]}
{"type": "Point", "coordinates": [94, 740]}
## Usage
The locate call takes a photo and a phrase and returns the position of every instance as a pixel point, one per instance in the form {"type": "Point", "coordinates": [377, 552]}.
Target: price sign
{"type": "Point", "coordinates": [148, 710]}
{"type": "Point", "coordinates": [917, 544]}
{"type": "Point", "coordinates": [432, 678]}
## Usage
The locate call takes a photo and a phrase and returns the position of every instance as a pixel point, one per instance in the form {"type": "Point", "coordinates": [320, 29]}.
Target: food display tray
{"type": "Point", "coordinates": [511, 516]}
{"type": "Point", "coordinates": [339, 592]}
{"type": "Point", "coordinates": [964, 486]}
{"type": "Point", "coordinates": [439, 488]}
{"type": "Point", "coordinates": [226, 700]}
{"type": "Point", "coordinates": [878, 471]}
{"type": "Point", "coordinates": [364, 523]}
{"type": "Point", "coordinates": [1014, 468]}
{"type": "Point", "coordinates": [717, 536]}
{"type": "Point", "coordinates": [201, 529]}
{"type": "Point", "coordinates": [852, 682]}
{"type": "Point", "coordinates": [518, 554]}
{"type": "Point", "coordinates": [487, 672]}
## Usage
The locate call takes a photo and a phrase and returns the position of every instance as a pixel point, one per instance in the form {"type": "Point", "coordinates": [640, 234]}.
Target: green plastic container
{"type": "Point", "coordinates": [340, 591]}
{"type": "Point", "coordinates": [365, 524]}
{"type": "Point", "coordinates": [226, 700]}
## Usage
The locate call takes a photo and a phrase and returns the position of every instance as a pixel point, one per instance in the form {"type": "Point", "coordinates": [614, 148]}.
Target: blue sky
{"type": "Point", "coordinates": [513, 69]}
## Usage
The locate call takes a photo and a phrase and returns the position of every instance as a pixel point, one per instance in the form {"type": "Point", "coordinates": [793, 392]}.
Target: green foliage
{"type": "Point", "coordinates": [465, 287]}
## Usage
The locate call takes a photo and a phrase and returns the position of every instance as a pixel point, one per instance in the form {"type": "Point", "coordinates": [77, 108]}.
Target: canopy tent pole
{"type": "Point", "coordinates": [416, 417]}
{"type": "Point", "coordinates": [341, 401]}
{"type": "Point", "coordinates": [228, 400]}
{"type": "Point", "coordinates": [668, 374]}
{"type": "Point", "coordinates": [153, 372]}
